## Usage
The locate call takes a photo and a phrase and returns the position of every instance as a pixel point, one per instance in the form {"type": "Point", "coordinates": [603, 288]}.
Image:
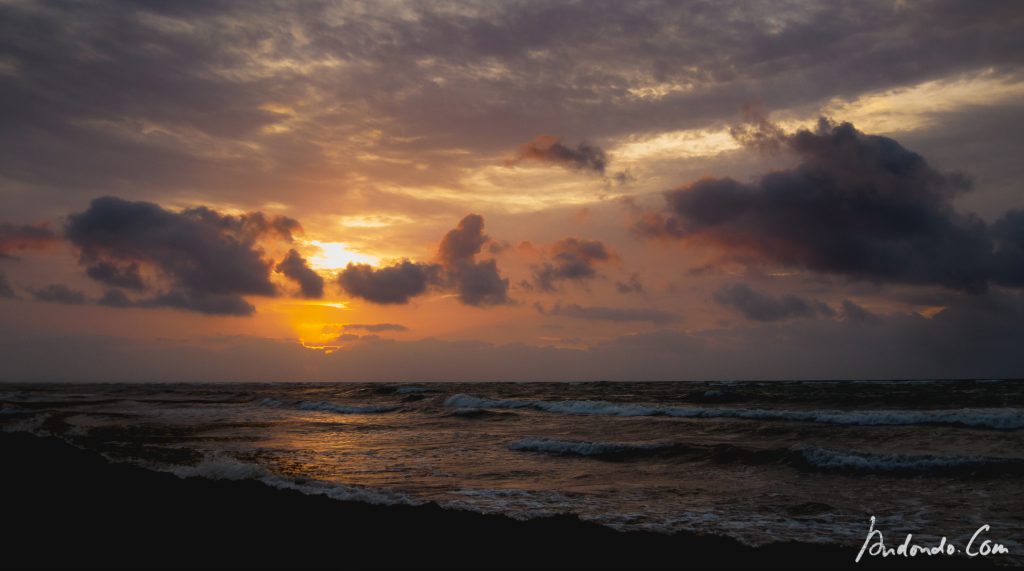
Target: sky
{"type": "Point", "coordinates": [511, 190]}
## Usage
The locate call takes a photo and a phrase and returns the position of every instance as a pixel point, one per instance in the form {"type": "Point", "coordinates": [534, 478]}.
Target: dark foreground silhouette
{"type": "Point", "coordinates": [65, 507]}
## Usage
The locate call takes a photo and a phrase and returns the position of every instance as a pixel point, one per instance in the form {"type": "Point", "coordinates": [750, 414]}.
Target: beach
{"type": "Point", "coordinates": [71, 508]}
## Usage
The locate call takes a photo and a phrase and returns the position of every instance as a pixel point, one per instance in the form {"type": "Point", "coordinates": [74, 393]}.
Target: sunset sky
{"type": "Point", "coordinates": [390, 190]}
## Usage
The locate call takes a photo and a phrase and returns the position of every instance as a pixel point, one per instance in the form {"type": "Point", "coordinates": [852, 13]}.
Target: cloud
{"type": "Point", "coordinates": [549, 149]}
{"type": "Point", "coordinates": [6, 291]}
{"type": "Point", "coordinates": [295, 268]}
{"type": "Point", "coordinates": [974, 337]}
{"type": "Point", "coordinates": [59, 293]}
{"type": "Point", "coordinates": [375, 327]}
{"type": "Point", "coordinates": [15, 238]}
{"type": "Point", "coordinates": [210, 304]}
{"type": "Point", "coordinates": [572, 259]}
{"type": "Point", "coordinates": [428, 78]}
{"type": "Point", "coordinates": [475, 283]}
{"type": "Point", "coordinates": [758, 306]}
{"type": "Point", "coordinates": [464, 242]}
{"type": "Point", "coordinates": [854, 313]}
{"type": "Point", "coordinates": [857, 205]}
{"type": "Point", "coordinates": [1008, 261]}
{"type": "Point", "coordinates": [206, 260]}
{"type": "Point", "coordinates": [614, 314]}
{"type": "Point", "coordinates": [115, 298]}
{"type": "Point", "coordinates": [391, 285]}
{"type": "Point", "coordinates": [633, 285]}
{"type": "Point", "coordinates": [202, 302]}
{"type": "Point", "coordinates": [125, 276]}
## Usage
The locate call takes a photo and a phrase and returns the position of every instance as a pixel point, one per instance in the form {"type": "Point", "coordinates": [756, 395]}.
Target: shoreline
{"type": "Point", "coordinates": [68, 507]}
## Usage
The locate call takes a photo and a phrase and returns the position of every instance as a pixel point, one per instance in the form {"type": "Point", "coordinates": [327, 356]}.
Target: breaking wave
{"type": "Point", "coordinates": [804, 457]}
{"type": "Point", "coordinates": [995, 419]}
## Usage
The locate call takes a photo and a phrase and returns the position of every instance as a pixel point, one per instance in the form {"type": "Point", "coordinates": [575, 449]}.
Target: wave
{"type": "Point", "coordinates": [478, 413]}
{"type": "Point", "coordinates": [411, 390]}
{"type": "Point", "coordinates": [622, 451]}
{"type": "Point", "coordinates": [606, 450]}
{"type": "Point", "coordinates": [996, 419]}
{"type": "Point", "coordinates": [828, 459]}
{"type": "Point", "coordinates": [321, 406]}
{"type": "Point", "coordinates": [565, 407]}
{"type": "Point", "coordinates": [803, 457]}
{"type": "Point", "coordinates": [222, 467]}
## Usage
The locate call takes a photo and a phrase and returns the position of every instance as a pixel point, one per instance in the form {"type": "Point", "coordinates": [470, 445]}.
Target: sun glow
{"type": "Point", "coordinates": [334, 255]}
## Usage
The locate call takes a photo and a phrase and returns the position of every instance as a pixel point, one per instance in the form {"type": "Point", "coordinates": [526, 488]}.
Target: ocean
{"type": "Point", "coordinates": [760, 462]}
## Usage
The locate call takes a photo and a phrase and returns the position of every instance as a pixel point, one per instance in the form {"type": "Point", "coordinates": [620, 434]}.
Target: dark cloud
{"type": "Point", "coordinates": [6, 291]}
{"type": "Point", "coordinates": [614, 314]}
{"type": "Point", "coordinates": [479, 283]}
{"type": "Point", "coordinates": [857, 205]}
{"type": "Point", "coordinates": [15, 238]}
{"type": "Point", "coordinates": [59, 293]}
{"type": "Point", "coordinates": [572, 259]}
{"type": "Point", "coordinates": [855, 313]}
{"type": "Point", "coordinates": [476, 283]}
{"type": "Point", "coordinates": [115, 298]}
{"type": "Point", "coordinates": [758, 306]}
{"type": "Point", "coordinates": [633, 285]}
{"type": "Point", "coordinates": [210, 304]}
{"type": "Point", "coordinates": [126, 275]}
{"type": "Point", "coordinates": [549, 149]}
{"type": "Point", "coordinates": [462, 243]}
{"type": "Point", "coordinates": [1008, 260]}
{"type": "Point", "coordinates": [391, 285]}
{"type": "Point", "coordinates": [206, 260]}
{"type": "Point", "coordinates": [295, 268]}
{"type": "Point", "coordinates": [202, 302]}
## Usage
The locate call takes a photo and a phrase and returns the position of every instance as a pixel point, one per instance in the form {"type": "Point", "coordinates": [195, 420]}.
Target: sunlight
{"type": "Point", "coordinates": [335, 255]}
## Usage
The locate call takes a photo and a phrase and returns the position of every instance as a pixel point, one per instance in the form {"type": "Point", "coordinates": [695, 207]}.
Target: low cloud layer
{"type": "Point", "coordinates": [376, 327]}
{"type": "Point", "coordinates": [613, 314]}
{"type": "Point", "coordinates": [860, 206]}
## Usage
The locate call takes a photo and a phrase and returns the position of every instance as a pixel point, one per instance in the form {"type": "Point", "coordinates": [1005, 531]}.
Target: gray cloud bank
{"type": "Point", "coordinates": [860, 206]}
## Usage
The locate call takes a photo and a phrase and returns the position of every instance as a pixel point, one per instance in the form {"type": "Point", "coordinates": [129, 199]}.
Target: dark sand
{"type": "Point", "coordinates": [70, 508]}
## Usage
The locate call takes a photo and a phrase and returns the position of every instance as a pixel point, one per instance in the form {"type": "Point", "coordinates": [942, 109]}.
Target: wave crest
{"type": "Point", "coordinates": [995, 419]}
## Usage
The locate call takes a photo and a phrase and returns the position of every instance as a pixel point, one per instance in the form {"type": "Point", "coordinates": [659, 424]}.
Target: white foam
{"type": "Point", "coordinates": [222, 468]}
{"type": "Point", "coordinates": [999, 419]}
